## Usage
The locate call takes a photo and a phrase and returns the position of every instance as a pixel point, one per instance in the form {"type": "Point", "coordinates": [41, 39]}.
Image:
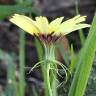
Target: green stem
{"type": "Point", "coordinates": [22, 63]}
{"type": "Point", "coordinates": [50, 89]}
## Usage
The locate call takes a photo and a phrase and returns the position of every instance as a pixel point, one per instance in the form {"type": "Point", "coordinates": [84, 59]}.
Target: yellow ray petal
{"type": "Point", "coordinates": [76, 17]}
{"type": "Point", "coordinates": [80, 19]}
{"type": "Point", "coordinates": [55, 24]}
{"type": "Point", "coordinates": [78, 27]}
{"type": "Point", "coordinates": [42, 24]}
{"type": "Point", "coordinates": [69, 25]}
{"type": "Point", "coordinates": [24, 23]}
{"type": "Point", "coordinates": [31, 21]}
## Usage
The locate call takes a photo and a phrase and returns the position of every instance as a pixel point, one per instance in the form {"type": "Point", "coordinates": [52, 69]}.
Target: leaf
{"type": "Point", "coordinates": [7, 10]}
{"type": "Point", "coordinates": [84, 63]}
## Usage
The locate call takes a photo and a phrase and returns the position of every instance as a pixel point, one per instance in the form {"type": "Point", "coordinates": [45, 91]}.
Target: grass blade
{"type": "Point", "coordinates": [22, 63]}
{"type": "Point", "coordinates": [84, 63]}
{"type": "Point", "coordinates": [72, 60]}
{"type": "Point", "coordinates": [11, 69]}
{"type": "Point", "coordinates": [81, 35]}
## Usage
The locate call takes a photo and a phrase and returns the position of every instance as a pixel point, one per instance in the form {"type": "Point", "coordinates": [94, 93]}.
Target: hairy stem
{"type": "Point", "coordinates": [49, 80]}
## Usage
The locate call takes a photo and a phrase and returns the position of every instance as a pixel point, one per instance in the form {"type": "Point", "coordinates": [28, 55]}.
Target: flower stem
{"type": "Point", "coordinates": [49, 78]}
{"type": "Point", "coordinates": [48, 90]}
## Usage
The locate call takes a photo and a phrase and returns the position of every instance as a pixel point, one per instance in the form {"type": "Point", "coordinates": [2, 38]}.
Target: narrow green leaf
{"type": "Point", "coordinates": [72, 60]}
{"type": "Point", "coordinates": [81, 35]}
{"type": "Point", "coordinates": [22, 63]}
{"type": "Point", "coordinates": [7, 10]}
{"type": "Point", "coordinates": [85, 62]}
{"type": "Point", "coordinates": [11, 81]}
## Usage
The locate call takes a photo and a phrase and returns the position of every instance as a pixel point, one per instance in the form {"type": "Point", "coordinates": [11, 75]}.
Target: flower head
{"type": "Point", "coordinates": [49, 32]}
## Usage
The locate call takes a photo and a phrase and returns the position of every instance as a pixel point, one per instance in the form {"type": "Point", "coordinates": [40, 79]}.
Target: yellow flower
{"type": "Point", "coordinates": [40, 27]}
